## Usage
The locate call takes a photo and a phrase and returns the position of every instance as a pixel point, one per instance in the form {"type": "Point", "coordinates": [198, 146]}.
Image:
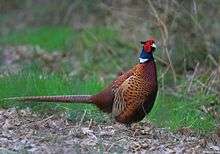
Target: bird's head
{"type": "Point", "coordinates": [149, 45]}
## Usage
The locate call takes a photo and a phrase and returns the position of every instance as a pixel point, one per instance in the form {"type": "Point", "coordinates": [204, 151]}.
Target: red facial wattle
{"type": "Point", "coordinates": [147, 47]}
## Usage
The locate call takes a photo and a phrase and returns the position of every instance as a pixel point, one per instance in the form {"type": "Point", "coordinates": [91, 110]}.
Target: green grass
{"type": "Point", "coordinates": [63, 38]}
{"type": "Point", "coordinates": [169, 111]}
{"type": "Point", "coordinates": [30, 84]}
{"type": "Point", "coordinates": [174, 113]}
{"type": "Point", "coordinates": [49, 38]}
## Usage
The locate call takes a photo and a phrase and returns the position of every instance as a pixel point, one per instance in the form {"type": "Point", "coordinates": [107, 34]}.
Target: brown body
{"type": "Point", "coordinates": [130, 96]}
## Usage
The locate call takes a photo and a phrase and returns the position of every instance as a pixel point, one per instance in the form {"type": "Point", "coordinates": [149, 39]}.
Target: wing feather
{"type": "Point", "coordinates": [129, 96]}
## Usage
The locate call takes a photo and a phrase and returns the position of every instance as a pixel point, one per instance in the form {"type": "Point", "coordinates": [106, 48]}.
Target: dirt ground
{"type": "Point", "coordinates": [25, 132]}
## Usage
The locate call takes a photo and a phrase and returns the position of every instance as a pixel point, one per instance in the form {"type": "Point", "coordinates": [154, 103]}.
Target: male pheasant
{"type": "Point", "coordinates": [129, 98]}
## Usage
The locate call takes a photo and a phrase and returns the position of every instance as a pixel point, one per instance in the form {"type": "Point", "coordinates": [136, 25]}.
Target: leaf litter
{"type": "Point", "coordinates": [23, 131]}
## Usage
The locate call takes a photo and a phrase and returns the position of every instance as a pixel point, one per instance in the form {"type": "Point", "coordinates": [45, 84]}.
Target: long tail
{"type": "Point", "coordinates": [61, 99]}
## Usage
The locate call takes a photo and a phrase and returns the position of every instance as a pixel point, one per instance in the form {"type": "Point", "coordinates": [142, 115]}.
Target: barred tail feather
{"type": "Point", "coordinates": [62, 99]}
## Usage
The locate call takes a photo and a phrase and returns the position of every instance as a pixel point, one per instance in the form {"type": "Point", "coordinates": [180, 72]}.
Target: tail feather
{"type": "Point", "coordinates": [62, 99]}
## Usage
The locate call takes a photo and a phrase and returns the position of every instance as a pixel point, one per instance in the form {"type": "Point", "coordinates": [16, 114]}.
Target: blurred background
{"type": "Point", "coordinates": [47, 44]}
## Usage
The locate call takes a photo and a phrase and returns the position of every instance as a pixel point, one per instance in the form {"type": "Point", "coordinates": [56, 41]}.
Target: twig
{"type": "Point", "coordinates": [193, 76]}
{"type": "Point", "coordinates": [205, 86]}
{"type": "Point", "coordinates": [214, 62]}
{"type": "Point", "coordinates": [195, 21]}
{"type": "Point", "coordinates": [165, 72]}
{"type": "Point", "coordinates": [162, 61]}
{"type": "Point", "coordinates": [165, 36]}
{"type": "Point", "coordinates": [90, 123]}
{"type": "Point", "coordinates": [38, 122]}
{"type": "Point", "coordinates": [81, 121]}
{"type": "Point", "coordinates": [114, 144]}
{"type": "Point", "coordinates": [211, 82]}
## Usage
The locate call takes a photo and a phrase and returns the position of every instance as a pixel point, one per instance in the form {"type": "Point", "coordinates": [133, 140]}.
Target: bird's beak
{"type": "Point", "coordinates": [154, 46]}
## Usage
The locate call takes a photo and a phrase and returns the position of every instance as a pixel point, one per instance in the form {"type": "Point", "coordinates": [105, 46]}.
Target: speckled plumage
{"type": "Point", "coordinates": [130, 96]}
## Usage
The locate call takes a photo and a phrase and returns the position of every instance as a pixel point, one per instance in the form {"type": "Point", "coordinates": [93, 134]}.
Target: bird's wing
{"type": "Point", "coordinates": [129, 96]}
{"type": "Point", "coordinates": [121, 78]}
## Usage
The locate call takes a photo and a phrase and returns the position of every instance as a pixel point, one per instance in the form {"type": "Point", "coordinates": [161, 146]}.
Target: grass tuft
{"type": "Point", "coordinates": [36, 84]}
{"type": "Point", "coordinates": [175, 113]}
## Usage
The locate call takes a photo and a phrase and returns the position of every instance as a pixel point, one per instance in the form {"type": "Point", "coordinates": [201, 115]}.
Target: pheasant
{"type": "Point", "coordinates": [128, 98]}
